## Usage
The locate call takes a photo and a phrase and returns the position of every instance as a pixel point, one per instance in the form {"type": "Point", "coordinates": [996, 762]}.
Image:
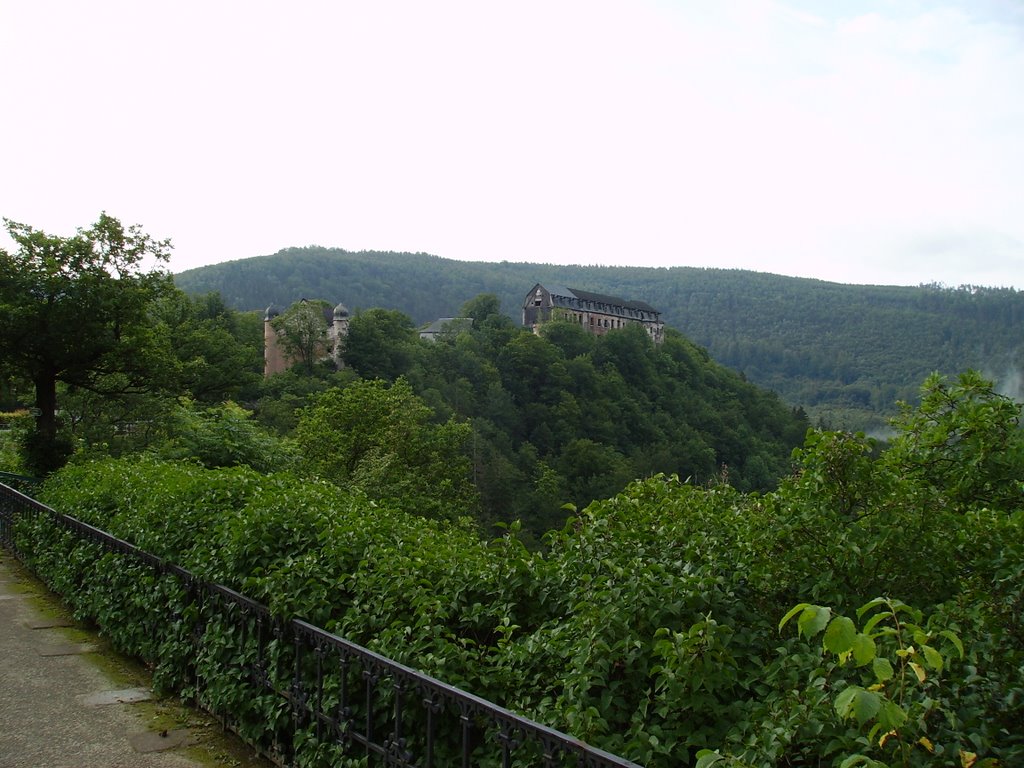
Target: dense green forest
{"type": "Point", "coordinates": [846, 353]}
{"type": "Point", "coordinates": [567, 417]}
{"type": "Point", "coordinates": [866, 613]}
{"type": "Point", "coordinates": [628, 541]}
{"type": "Point", "coordinates": [494, 422]}
{"type": "Point", "coordinates": [500, 424]}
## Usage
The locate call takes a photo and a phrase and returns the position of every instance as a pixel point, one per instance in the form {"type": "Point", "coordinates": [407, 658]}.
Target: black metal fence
{"type": "Point", "coordinates": [23, 483]}
{"type": "Point", "coordinates": [320, 699]}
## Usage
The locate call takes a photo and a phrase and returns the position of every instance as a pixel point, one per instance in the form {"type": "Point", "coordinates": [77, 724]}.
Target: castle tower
{"type": "Point", "coordinates": [275, 357]}
{"type": "Point", "coordinates": [274, 360]}
{"type": "Point", "coordinates": [338, 333]}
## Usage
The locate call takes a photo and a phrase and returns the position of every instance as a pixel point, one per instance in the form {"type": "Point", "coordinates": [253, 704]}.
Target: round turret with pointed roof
{"type": "Point", "coordinates": [341, 311]}
{"type": "Point", "coordinates": [272, 311]}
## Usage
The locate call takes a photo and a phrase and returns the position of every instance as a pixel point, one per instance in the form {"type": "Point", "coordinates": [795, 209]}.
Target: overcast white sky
{"type": "Point", "coordinates": [861, 142]}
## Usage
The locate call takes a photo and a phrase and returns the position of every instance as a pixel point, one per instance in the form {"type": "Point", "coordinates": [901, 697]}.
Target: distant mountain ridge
{"type": "Point", "coordinates": [847, 353]}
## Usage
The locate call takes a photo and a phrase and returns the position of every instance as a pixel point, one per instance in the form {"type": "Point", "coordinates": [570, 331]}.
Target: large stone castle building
{"type": "Point", "coordinates": [594, 312]}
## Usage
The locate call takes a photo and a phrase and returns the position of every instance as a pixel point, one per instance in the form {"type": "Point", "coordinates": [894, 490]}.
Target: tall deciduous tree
{"type": "Point", "coordinates": [381, 344]}
{"type": "Point", "coordinates": [964, 439]}
{"type": "Point", "coordinates": [75, 310]}
{"type": "Point", "coordinates": [219, 349]}
{"type": "Point", "coordinates": [303, 331]}
{"type": "Point", "coordinates": [382, 439]}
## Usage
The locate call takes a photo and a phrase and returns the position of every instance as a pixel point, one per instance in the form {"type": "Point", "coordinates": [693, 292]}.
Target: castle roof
{"type": "Point", "coordinates": [446, 324]}
{"type": "Point", "coordinates": [614, 300]}
{"type": "Point", "coordinates": [560, 291]}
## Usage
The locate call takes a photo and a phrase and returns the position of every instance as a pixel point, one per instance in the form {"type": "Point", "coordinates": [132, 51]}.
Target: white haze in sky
{"type": "Point", "coordinates": [860, 142]}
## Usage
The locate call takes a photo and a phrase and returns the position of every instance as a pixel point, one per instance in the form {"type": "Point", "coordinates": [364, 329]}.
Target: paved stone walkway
{"type": "Point", "coordinates": [65, 702]}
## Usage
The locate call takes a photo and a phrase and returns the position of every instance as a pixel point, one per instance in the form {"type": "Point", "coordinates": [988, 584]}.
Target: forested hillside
{"type": "Point", "coordinates": [541, 421]}
{"type": "Point", "coordinates": [494, 422]}
{"type": "Point", "coordinates": [846, 353]}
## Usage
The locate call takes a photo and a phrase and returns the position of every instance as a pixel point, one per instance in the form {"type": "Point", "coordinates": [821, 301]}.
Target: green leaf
{"type": "Point", "coordinates": [707, 757]}
{"type": "Point", "coordinates": [869, 605]}
{"type": "Point", "coordinates": [856, 702]}
{"type": "Point", "coordinates": [866, 705]}
{"type": "Point", "coordinates": [855, 760]}
{"type": "Point", "coordinates": [932, 657]}
{"type": "Point", "coordinates": [874, 620]}
{"type": "Point", "coordinates": [813, 619]}
{"type": "Point", "coordinates": [882, 669]}
{"type": "Point", "coordinates": [898, 606]}
{"type": "Point", "coordinates": [792, 612]}
{"type": "Point", "coordinates": [864, 650]}
{"type": "Point", "coordinates": [891, 716]}
{"type": "Point", "coordinates": [952, 637]}
{"type": "Point", "coordinates": [844, 701]}
{"type": "Point", "coordinates": [840, 635]}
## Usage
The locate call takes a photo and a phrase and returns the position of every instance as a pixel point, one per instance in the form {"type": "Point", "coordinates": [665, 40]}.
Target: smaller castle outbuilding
{"type": "Point", "coordinates": [443, 325]}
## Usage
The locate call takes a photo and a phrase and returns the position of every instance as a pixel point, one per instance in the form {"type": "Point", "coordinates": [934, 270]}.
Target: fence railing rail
{"type": "Point", "coordinates": [327, 693]}
{"type": "Point", "coordinates": [22, 483]}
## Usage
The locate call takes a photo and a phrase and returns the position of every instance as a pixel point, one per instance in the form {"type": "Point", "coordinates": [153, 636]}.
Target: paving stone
{"type": "Point", "coordinates": [43, 723]}
{"type": "Point", "coordinates": [123, 696]}
{"type": "Point", "coordinates": [13, 597]}
{"type": "Point", "coordinates": [49, 623]}
{"type": "Point", "coordinates": [68, 649]}
{"type": "Point", "coordinates": [151, 741]}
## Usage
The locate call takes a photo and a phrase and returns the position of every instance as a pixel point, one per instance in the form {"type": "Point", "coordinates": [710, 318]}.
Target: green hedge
{"type": "Point", "coordinates": [649, 626]}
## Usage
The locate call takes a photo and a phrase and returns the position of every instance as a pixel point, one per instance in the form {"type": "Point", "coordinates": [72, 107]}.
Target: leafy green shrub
{"type": "Point", "coordinates": [648, 625]}
{"type": "Point", "coordinates": [10, 452]}
{"type": "Point", "coordinates": [381, 439]}
{"type": "Point", "coordinates": [224, 436]}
